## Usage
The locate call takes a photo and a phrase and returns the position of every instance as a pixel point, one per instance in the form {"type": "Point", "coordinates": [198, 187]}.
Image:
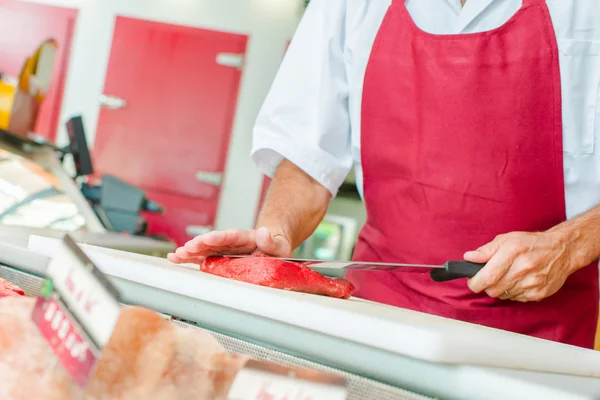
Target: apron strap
{"type": "Point", "coordinates": [527, 3]}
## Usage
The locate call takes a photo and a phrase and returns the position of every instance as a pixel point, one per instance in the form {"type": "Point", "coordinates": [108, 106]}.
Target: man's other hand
{"type": "Point", "coordinates": [522, 266]}
{"type": "Point", "coordinates": [233, 241]}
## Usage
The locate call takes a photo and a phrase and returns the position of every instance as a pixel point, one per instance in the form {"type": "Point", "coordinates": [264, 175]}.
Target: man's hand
{"type": "Point", "coordinates": [527, 266]}
{"type": "Point", "coordinates": [232, 242]}
{"type": "Point", "coordinates": [533, 266]}
{"type": "Point", "coordinates": [294, 205]}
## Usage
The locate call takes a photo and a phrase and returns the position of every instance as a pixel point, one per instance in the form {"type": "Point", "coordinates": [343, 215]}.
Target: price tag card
{"type": "Point", "coordinates": [68, 344]}
{"type": "Point", "coordinates": [267, 381]}
{"type": "Point", "coordinates": [78, 310]}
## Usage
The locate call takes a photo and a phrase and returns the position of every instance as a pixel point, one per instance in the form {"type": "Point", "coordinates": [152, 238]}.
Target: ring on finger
{"type": "Point", "coordinates": [507, 294]}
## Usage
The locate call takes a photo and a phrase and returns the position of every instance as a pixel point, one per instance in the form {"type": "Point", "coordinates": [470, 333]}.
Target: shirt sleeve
{"type": "Point", "coordinates": [305, 118]}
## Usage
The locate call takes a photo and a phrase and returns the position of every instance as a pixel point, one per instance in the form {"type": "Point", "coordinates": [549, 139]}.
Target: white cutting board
{"type": "Point", "coordinates": [397, 330]}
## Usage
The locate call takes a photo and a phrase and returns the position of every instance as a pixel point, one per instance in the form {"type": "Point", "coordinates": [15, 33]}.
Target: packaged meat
{"type": "Point", "coordinates": [276, 273]}
{"type": "Point", "coordinates": [7, 289]}
{"type": "Point", "coordinates": [150, 358]}
{"type": "Point", "coordinates": [27, 366]}
{"type": "Point", "coordinates": [146, 358]}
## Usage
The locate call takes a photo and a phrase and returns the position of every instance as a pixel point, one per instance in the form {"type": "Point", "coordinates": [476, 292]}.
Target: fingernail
{"type": "Point", "coordinates": [182, 253]}
{"type": "Point", "coordinates": [264, 231]}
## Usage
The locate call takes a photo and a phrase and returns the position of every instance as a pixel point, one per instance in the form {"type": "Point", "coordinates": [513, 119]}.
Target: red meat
{"type": "Point", "coordinates": [7, 289]}
{"type": "Point", "coordinates": [147, 358]}
{"type": "Point", "coordinates": [271, 272]}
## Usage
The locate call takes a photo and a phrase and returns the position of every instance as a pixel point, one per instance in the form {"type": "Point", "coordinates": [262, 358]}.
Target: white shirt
{"type": "Point", "coordinates": [311, 115]}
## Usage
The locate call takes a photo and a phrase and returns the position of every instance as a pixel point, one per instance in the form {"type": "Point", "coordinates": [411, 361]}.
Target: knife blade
{"type": "Point", "coordinates": [453, 269]}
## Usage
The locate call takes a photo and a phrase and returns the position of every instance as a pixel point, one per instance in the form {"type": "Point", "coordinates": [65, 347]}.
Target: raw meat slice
{"type": "Point", "coordinates": [146, 358]}
{"type": "Point", "coordinates": [271, 272]}
{"type": "Point", "coordinates": [7, 289]}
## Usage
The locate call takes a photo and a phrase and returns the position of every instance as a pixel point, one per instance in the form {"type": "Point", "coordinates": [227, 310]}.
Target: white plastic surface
{"type": "Point", "coordinates": [392, 329]}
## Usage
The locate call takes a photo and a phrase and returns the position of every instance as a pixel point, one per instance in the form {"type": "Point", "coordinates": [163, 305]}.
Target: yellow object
{"type": "Point", "coordinates": [33, 83]}
{"type": "Point", "coordinates": [597, 347]}
{"type": "Point", "coordinates": [37, 72]}
{"type": "Point", "coordinates": [7, 95]}
{"type": "Point", "coordinates": [20, 104]}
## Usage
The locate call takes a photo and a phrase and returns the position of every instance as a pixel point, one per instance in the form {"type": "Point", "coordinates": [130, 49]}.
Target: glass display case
{"type": "Point", "coordinates": [38, 197]}
{"type": "Point", "coordinates": [32, 197]}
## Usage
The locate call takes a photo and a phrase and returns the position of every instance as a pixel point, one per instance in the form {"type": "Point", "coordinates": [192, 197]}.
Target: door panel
{"type": "Point", "coordinates": [166, 123]}
{"type": "Point", "coordinates": [179, 106]}
{"type": "Point", "coordinates": [23, 27]}
{"type": "Point", "coordinates": [180, 214]}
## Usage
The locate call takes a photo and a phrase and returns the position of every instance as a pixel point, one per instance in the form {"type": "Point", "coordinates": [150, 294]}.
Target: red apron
{"type": "Point", "coordinates": [462, 141]}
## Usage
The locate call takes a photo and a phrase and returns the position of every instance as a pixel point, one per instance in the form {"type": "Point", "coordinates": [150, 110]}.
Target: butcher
{"type": "Point", "coordinates": [474, 130]}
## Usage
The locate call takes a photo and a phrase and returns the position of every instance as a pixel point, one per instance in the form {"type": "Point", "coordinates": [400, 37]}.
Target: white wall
{"type": "Point", "coordinates": [269, 24]}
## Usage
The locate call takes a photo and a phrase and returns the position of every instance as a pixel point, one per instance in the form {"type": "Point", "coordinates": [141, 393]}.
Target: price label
{"type": "Point", "coordinates": [67, 342]}
{"type": "Point", "coordinates": [77, 311]}
{"type": "Point", "coordinates": [266, 381]}
{"type": "Point", "coordinates": [85, 291]}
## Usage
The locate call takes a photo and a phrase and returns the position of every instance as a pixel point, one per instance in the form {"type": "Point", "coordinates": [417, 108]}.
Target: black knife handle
{"type": "Point", "coordinates": [456, 270]}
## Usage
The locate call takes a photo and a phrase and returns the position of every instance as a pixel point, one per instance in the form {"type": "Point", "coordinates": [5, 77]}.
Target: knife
{"type": "Point", "coordinates": [451, 270]}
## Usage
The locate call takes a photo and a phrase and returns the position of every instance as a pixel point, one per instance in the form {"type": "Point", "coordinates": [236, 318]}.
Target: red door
{"type": "Point", "coordinates": [173, 106]}
{"type": "Point", "coordinates": [23, 27]}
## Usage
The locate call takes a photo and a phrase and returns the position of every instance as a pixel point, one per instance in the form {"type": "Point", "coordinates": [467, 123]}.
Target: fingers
{"type": "Point", "coordinates": [485, 252]}
{"type": "Point", "coordinates": [214, 243]}
{"type": "Point", "coordinates": [229, 239]}
{"type": "Point", "coordinates": [264, 241]}
{"type": "Point", "coordinates": [233, 241]}
{"type": "Point", "coordinates": [172, 257]}
{"type": "Point", "coordinates": [273, 245]}
{"type": "Point", "coordinates": [508, 283]}
{"type": "Point", "coordinates": [531, 287]}
{"type": "Point", "coordinates": [516, 280]}
{"type": "Point", "coordinates": [529, 266]}
{"type": "Point", "coordinates": [496, 267]}
{"type": "Point", "coordinates": [522, 281]}
{"type": "Point", "coordinates": [217, 243]}
{"type": "Point", "coordinates": [492, 273]}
